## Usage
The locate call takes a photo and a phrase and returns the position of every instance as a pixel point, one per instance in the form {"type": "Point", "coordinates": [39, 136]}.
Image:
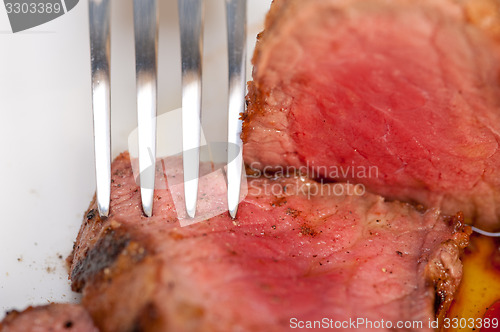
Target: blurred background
{"type": "Point", "coordinates": [46, 152]}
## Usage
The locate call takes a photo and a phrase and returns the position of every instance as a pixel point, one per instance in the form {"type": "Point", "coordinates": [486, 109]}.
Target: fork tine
{"type": "Point", "coordinates": [236, 44]}
{"type": "Point", "coordinates": [191, 28]}
{"type": "Point", "coordinates": [146, 39]}
{"type": "Point", "coordinates": [101, 101]}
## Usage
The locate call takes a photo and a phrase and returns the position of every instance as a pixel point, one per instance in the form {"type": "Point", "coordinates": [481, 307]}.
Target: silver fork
{"type": "Point", "coordinates": [146, 39]}
{"type": "Point", "coordinates": [191, 28]}
{"type": "Point", "coordinates": [236, 12]}
{"type": "Point", "coordinates": [146, 46]}
{"type": "Point", "coordinates": [101, 102]}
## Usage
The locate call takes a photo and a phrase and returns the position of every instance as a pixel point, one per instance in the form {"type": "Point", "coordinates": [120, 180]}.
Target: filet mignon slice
{"type": "Point", "coordinates": [409, 87]}
{"type": "Point", "coordinates": [291, 253]}
{"type": "Point", "coordinates": [55, 317]}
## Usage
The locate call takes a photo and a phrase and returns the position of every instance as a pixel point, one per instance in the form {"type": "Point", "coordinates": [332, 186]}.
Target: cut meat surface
{"type": "Point", "coordinates": [401, 96]}
{"type": "Point", "coordinates": [49, 318]}
{"type": "Point", "coordinates": [298, 250]}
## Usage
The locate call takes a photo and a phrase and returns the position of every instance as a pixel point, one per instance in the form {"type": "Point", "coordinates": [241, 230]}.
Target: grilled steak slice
{"type": "Point", "coordinates": [298, 249]}
{"type": "Point", "coordinates": [51, 318]}
{"type": "Point", "coordinates": [409, 87]}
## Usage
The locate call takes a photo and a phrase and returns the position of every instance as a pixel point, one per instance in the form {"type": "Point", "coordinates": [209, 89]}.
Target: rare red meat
{"type": "Point", "coordinates": [298, 250]}
{"type": "Point", "coordinates": [409, 87]}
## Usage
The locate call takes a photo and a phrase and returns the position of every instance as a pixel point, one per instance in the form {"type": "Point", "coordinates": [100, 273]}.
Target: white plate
{"type": "Point", "coordinates": [46, 160]}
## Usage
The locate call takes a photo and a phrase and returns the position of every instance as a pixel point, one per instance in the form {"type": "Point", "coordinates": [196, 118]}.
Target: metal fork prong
{"type": "Point", "coordinates": [146, 40]}
{"type": "Point", "coordinates": [236, 44]}
{"type": "Point", "coordinates": [191, 33]}
{"type": "Point", "coordinates": [99, 27]}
